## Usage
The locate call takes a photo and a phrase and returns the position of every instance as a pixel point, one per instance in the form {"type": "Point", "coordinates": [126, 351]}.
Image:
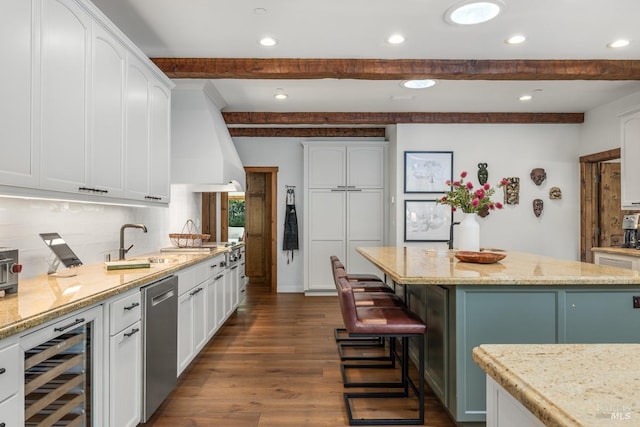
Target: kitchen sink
{"type": "Point", "coordinates": [162, 260]}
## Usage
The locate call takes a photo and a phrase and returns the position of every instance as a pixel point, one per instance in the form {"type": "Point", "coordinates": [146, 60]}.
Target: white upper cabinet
{"type": "Point", "coordinates": [340, 166]}
{"type": "Point", "coordinates": [64, 77]}
{"type": "Point", "coordinates": [107, 120]}
{"type": "Point", "coordinates": [86, 114]}
{"type": "Point", "coordinates": [19, 163]}
{"type": "Point", "coordinates": [630, 153]}
{"type": "Point", "coordinates": [365, 167]}
{"type": "Point", "coordinates": [327, 167]}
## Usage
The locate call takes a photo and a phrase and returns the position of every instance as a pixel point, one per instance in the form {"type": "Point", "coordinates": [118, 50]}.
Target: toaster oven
{"type": "Point", "coordinates": [10, 267]}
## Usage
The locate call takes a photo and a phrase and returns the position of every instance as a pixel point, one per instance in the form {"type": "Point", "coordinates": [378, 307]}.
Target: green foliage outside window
{"type": "Point", "coordinates": [236, 213]}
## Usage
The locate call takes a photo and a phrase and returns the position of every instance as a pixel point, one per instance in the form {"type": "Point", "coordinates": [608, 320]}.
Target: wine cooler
{"type": "Point", "coordinates": [60, 373]}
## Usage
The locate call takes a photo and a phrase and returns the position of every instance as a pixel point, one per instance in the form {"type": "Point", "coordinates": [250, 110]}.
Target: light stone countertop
{"type": "Point", "coordinates": [588, 385]}
{"type": "Point", "coordinates": [418, 265]}
{"type": "Point", "coordinates": [618, 251]}
{"type": "Point", "coordinates": [45, 298]}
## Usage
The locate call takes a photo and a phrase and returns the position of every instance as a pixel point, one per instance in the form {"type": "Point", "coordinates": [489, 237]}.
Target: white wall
{"type": "Point", "coordinates": [510, 151]}
{"type": "Point", "coordinates": [91, 230]}
{"type": "Point", "coordinates": [601, 128]}
{"type": "Point", "coordinates": [286, 154]}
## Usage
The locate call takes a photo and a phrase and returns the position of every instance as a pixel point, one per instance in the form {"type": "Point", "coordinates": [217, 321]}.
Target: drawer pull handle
{"type": "Point", "coordinates": [133, 332]}
{"type": "Point", "coordinates": [2, 371]}
{"type": "Point", "coordinates": [70, 325]}
{"type": "Point", "coordinates": [196, 291]}
{"type": "Point", "coordinates": [234, 267]}
{"type": "Point", "coordinates": [218, 277]}
{"type": "Point", "coordinates": [132, 306]}
{"type": "Point", "coordinates": [213, 265]}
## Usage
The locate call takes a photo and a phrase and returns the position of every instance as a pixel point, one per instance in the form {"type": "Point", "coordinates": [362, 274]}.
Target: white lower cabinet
{"type": "Point", "coordinates": [191, 325]}
{"type": "Point", "coordinates": [125, 361]}
{"type": "Point", "coordinates": [12, 411]}
{"type": "Point", "coordinates": [615, 260]}
{"type": "Point", "coordinates": [221, 286]}
{"type": "Point", "coordinates": [11, 378]}
{"type": "Point", "coordinates": [503, 410]}
{"type": "Point", "coordinates": [125, 379]}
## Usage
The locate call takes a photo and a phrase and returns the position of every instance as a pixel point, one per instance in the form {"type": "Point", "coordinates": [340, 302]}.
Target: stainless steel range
{"type": "Point", "coordinates": [10, 267]}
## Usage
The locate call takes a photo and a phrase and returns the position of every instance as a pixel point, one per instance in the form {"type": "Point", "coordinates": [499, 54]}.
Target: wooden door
{"type": "Point", "coordinates": [255, 227]}
{"type": "Point", "coordinates": [610, 218]}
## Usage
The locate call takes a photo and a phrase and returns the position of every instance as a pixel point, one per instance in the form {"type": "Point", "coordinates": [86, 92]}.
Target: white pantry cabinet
{"type": "Point", "coordinates": [630, 153]}
{"type": "Point", "coordinates": [66, 126]}
{"type": "Point", "coordinates": [344, 195]}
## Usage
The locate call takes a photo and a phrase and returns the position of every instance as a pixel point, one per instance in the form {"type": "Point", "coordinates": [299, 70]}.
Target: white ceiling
{"type": "Point", "coordinates": [555, 29]}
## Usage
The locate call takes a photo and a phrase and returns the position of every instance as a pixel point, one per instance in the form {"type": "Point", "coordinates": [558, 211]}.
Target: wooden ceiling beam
{"type": "Point", "coordinates": [399, 69]}
{"type": "Point", "coordinates": [349, 118]}
{"type": "Point", "coordinates": [306, 132]}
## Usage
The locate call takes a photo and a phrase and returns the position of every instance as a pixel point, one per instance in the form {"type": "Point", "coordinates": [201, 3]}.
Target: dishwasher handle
{"type": "Point", "coordinates": [162, 297]}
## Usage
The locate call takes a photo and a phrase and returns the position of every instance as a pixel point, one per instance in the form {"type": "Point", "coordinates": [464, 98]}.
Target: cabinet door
{"type": "Point", "coordinates": [65, 76]}
{"type": "Point", "coordinates": [365, 227]}
{"type": "Point", "coordinates": [234, 279]}
{"type": "Point", "coordinates": [630, 153]}
{"type": "Point", "coordinates": [199, 318]}
{"type": "Point", "coordinates": [107, 122]}
{"type": "Point", "coordinates": [159, 138]}
{"type": "Point", "coordinates": [185, 335]}
{"type": "Point", "coordinates": [137, 131]}
{"type": "Point", "coordinates": [327, 234]}
{"type": "Point", "coordinates": [125, 377]}
{"type": "Point", "coordinates": [20, 157]}
{"type": "Point", "coordinates": [326, 167]}
{"type": "Point", "coordinates": [211, 297]}
{"type": "Point", "coordinates": [220, 299]}
{"type": "Point", "coordinates": [365, 167]}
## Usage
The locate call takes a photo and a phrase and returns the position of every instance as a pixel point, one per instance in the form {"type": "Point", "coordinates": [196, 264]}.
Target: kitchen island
{"type": "Point", "coordinates": [563, 385]}
{"type": "Point", "coordinates": [522, 299]}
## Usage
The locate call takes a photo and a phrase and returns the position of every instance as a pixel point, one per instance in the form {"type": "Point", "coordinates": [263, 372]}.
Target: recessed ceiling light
{"type": "Point", "coordinates": [280, 95]}
{"type": "Point", "coordinates": [473, 12]}
{"type": "Point", "coordinates": [526, 98]}
{"type": "Point", "coordinates": [395, 39]}
{"type": "Point", "coordinates": [418, 84]}
{"type": "Point", "coordinates": [268, 41]}
{"type": "Point", "coordinates": [618, 43]}
{"type": "Point", "coordinates": [515, 39]}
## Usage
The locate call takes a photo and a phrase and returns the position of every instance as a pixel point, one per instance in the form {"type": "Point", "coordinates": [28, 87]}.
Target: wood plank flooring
{"type": "Point", "coordinates": [274, 364]}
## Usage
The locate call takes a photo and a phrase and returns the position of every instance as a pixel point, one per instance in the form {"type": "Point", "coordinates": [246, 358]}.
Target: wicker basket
{"type": "Point", "coordinates": [188, 238]}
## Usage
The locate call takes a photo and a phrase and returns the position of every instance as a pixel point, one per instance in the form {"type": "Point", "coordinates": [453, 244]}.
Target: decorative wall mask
{"type": "Point", "coordinates": [483, 173]}
{"type": "Point", "coordinates": [538, 175]}
{"type": "Point", "coordinates": [555, 193]}
{"type": "Point", "coordinates": [512, 191]}
{"type": "Point", "coordinates": [538, 206]}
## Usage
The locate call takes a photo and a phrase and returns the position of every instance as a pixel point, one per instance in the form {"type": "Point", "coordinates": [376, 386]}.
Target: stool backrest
{"type": "Point", "coordinates": [347, 303]}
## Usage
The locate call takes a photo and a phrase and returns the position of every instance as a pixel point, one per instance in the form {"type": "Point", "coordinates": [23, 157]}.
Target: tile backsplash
{"type": "Point", "coordinates": [91, 230]}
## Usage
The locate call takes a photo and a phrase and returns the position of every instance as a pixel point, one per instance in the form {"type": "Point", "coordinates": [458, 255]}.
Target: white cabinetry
{"type": "Point", "coordinates": [191, 322]}
{"type": "Point", "coordinates": [68, 122]}
{"type": "Point", "coordinates": [344, 207]}
{"type": "Point", "coordinates": [630, 153]}
{"type": "Point", "coordinates": [125, 361]}
{"type": "Point", "coordinates": [503, 410]}
{"type": "Point", "coordinates": [11, 379]}
{"type": "Point", "coordinates": [629, 262]}
{"type": "Point", "coordinates": [19, 163]}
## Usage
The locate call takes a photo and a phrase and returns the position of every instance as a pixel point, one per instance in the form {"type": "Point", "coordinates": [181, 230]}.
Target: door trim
{"type": "Point", "coordinates": [589, 205]}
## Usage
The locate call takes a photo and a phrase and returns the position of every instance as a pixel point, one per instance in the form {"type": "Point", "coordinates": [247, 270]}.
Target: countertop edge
{"type": "Point", "coordinates": [542, 408]}
{"type": "Point", "coordinates": [632, 252]}
{"type": "Point", "coordinates": [97, 298]}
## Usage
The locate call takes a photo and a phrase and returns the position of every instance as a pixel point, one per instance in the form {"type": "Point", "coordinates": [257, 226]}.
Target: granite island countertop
{"type": "Point", "coordinates": [45, 298]}
{"type": "Point", "coordinates": [618, 251]}
{"type": "Point", "coordinates": [416, 265]}
{"type": "Point", "coordinates": [588, 385]}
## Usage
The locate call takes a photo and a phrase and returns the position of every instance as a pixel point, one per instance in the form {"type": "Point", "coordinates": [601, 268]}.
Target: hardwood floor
{"type": "Point", "coordinates": [274, 364]}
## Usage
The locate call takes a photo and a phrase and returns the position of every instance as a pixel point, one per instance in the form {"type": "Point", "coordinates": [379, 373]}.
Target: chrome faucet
{"type": "Point", "coordinates": [122, 251]}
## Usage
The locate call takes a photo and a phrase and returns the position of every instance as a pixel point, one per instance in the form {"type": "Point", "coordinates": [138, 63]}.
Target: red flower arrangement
{"type": "Point", "coordinates": [463, 196]}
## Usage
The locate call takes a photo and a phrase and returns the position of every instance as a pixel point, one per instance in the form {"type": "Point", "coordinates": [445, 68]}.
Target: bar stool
{"type": "Point", "coordinates": [355, 277]}
{"type": "Point", "coordinates": [390, 323]}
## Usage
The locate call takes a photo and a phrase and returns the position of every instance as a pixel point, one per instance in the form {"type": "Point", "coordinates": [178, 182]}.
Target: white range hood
{"type": "Point", "coordinates": [203, 157]}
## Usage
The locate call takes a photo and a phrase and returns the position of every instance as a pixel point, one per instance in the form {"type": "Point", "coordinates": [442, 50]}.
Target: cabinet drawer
{"type": "Point", "coordinates": [124, 312]}
{"type": "Point", "coordinates": [10, 372]}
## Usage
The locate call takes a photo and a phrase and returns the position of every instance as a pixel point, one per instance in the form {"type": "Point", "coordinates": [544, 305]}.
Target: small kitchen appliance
{"type": "Point", "coordinates": [631, 232]}
{"type": "Point", "coordinates": [10, 267]}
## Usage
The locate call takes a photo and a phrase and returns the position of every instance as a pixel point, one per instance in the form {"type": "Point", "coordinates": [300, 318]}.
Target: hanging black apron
{"type": "Point", "coordinates": [290, 240]}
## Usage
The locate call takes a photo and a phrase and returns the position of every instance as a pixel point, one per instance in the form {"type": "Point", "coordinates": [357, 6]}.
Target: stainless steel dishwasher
{"type": "Point", "coordinates": [160, 342]}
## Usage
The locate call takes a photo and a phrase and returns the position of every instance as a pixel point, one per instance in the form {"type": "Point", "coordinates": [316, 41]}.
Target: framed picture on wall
{"type": "Point", "coordinates": [426, 221]}
{"type": "Point", "coordinates": [427, 171]}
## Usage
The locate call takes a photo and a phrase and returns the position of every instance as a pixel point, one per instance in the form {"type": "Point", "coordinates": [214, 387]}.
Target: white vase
{"type": "Point", "coordinates": [468, 238]}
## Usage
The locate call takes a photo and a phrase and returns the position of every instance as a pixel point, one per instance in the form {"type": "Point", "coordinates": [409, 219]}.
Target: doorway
{"type": "Point", "coordinates": [600, 213]}
{"type": "Point", "coordinates": [261, 227]}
